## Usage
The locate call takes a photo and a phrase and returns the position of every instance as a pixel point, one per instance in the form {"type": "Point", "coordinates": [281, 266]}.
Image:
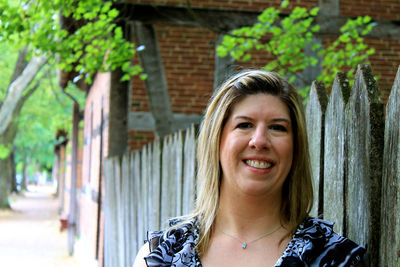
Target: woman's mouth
{"type": "Point", "coordinates": [259, 164]}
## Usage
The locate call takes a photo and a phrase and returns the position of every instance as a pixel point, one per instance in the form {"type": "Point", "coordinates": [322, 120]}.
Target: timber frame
{"type": "Point", "coordinates": [161, 119]}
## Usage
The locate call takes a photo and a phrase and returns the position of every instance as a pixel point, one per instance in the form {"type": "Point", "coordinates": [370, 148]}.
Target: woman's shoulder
{"type": "Point", "coordinates": [315, 243]}
{"type": "Point", "coordinates": [174, 245]}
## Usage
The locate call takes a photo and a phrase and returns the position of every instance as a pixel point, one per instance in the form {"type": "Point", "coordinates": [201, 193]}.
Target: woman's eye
{"type": "Point", "coordinates": [278, 127]}
{"type": "Point", "coordinates": [244, 125]}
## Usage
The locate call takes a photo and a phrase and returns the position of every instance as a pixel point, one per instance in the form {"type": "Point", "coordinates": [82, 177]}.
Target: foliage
{"type": "Point", "coordinates": [4, 151]}
{"type": "Point", "coordinates": [286, 40]}
{"type": "Point", "coordinates": [93, 33]}
{"type": "Point", "coordinates": [45, 112]}
{"type": "Point", "coordinates": [7, 62]}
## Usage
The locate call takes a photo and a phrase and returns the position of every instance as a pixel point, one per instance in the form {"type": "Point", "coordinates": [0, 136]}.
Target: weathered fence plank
{"type": "Point", "coordinates": [120, 212]}
{"type": "Point", "coordinates": [108, 216]}
{"type": "Point", "coordinates": [145, 186]}
{"type": "Point", "coordinates": [155, 185]}
{"type": "Point", "coordinates": [315, 116]}
{"type": "Point", "coordinates": [189, 171]}
{"type": "Point", "coordinates": [168, 196]}
{"type": "Point", "coordinates": [148, 176]}
{"type": "Point", "coordinates": [133, 199]}
{"type": "Point", "coordinates": [140, 231]}
{"type": "Point", "coordinates": [334, 153]}
{"type": "Point", "coordinates": [178, 167]}
{"type": "Point", "coordinates": [364, 119]}
{"type": "Point", "coordinates": [125, 233]}
{"type": "Point", "coordinates": [143, 196]}
{"type": "Point", "coordinates": [111, 212]}
{"type": "Point", "coordinates": [390, 216]}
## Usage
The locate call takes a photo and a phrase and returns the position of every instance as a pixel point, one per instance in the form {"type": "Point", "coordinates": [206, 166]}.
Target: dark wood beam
{"type": "Point", "coordinates": [156, 83]}
{"type": "Point", "coordinates": [223, 21]}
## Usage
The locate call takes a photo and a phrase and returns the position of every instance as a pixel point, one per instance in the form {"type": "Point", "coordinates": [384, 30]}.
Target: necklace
{"type": "Point", "coordinates": [244, 243]}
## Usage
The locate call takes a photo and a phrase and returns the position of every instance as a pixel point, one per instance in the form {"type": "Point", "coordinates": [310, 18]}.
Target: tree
{"type": "Point", "coordinates": [287, 40]}
{"type": "Point", "coordinates": [86, 41]}
{"type": "Point", "coordinates": [9, 110]}
{"type": "Point", "coordinates": [34, 142]}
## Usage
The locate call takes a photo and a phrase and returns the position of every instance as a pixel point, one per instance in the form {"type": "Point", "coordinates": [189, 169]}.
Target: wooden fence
{"type": "Point", "coordinates": [356, 174]}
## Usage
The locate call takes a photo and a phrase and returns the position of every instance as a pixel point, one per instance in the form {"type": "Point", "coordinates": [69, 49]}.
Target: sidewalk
{"type": "Point", "coordinates": [29, 234]}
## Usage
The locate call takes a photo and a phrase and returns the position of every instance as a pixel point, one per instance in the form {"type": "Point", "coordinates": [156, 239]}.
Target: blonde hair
{"type": "Point", "coordinates": [297, 195]}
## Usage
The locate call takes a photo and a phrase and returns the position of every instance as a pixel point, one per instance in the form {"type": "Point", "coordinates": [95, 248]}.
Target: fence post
{"type": "Point", "coordinates": [178, 167]}
{"type": "Point", "coordinates": [144, 193]}
{"type": "Point", "coordinates": [125, 208]}
{"type": "Point", "coordinates": [365, 122]}
{"type": "Point", "coordinates": [189, 171]}
{"type": "Point", "coordinates": [133, 199]}
{"type": "Point", "coordinates": [155, 187]}
{"type": "Point", "coordinates": [315, 116]}
{"type": "Point", "coordinates": [140, 229]}
{"type": "Point", "coordinates": [148, 166]}
{"type": "Point", "coordinates": [111, 212]}
{"type": "Point", "coordinates": [334, 153]}
{"type": "Point", "coordinates": [390, 220]}
{"type": "Point", "coordinates": [168, 196]}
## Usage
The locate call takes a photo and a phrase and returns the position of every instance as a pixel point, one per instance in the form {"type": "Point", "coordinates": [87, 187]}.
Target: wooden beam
{"type": "Point", "coordinates": [156, 83]}
{"type": "Point", "coordinates": [223, 21]}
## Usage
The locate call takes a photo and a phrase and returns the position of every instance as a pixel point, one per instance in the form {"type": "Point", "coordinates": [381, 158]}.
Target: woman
{"type": "Point", "coordinates": [255, 189]}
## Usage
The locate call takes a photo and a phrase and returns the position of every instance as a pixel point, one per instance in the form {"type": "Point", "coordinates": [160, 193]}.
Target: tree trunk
{"type": "Point", "coordinates": [5, 170]}
{"type": "Point", "coordinates": [4, 185]}
{"type": "Point", "coordinates": [12, 172]}
{"type": "Point", "coordinates": [24, 175]}
{"type": "Point", "coordinates": [10, 108]}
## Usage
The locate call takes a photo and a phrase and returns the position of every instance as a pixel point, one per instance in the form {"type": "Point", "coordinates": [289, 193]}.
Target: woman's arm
{"type": "Point", "coordinates": [143, 252]}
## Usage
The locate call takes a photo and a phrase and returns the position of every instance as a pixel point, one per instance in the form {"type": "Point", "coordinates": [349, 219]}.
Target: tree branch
{"type": "Point", "coordinates": [16, 89]}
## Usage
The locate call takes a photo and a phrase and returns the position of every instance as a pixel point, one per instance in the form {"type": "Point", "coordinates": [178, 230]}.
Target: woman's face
{"type": "Point", "coordinates": [256, 147]}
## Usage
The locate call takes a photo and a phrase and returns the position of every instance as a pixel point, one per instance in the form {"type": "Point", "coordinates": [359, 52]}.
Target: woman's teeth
{"type": "Point", "coordinates": [258, 164]}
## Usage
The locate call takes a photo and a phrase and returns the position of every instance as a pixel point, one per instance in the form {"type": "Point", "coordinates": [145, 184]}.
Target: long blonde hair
{"type": "Point", "coordinates": [297, 195]}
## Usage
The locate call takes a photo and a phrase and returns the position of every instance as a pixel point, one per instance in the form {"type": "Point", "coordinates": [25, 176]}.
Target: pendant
{"type": "Point", "coordinates": [244, 245]}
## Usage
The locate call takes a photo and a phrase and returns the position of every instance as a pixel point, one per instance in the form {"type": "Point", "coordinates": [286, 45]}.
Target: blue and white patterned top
{"type": "Point", "coordinates": [313, 244]}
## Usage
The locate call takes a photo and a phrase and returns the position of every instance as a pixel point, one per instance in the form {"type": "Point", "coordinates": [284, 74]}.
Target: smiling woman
{"type": "Point", "coordinates": [256, 147]}
{"type": "Point", "coordinates": [255, 190]}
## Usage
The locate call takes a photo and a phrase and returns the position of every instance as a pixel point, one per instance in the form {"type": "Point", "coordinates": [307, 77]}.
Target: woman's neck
{"type": "Point", "coordinates": [248, 216]}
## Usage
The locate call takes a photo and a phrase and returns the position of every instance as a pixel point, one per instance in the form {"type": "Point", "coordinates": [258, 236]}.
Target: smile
{"type": "Point", "coordinates": [258, 164]}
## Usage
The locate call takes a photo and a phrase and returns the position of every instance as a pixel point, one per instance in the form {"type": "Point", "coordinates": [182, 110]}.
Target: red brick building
{"type": "Point", "coordinates": [182, 67]}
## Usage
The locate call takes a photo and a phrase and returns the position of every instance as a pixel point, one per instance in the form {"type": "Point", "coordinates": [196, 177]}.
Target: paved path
{"type": "Point", "coordinates": [29, 234]}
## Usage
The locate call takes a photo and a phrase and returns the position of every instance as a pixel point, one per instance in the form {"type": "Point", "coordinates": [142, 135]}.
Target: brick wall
{"type": "Point", "coordinates": [384, 63]}
{"type": "Point", "coordinates": [98, 96]}
{"type": "Point", "coordinates": [387, 9]}
{"type": "Point", "coordinates": [188, 59]}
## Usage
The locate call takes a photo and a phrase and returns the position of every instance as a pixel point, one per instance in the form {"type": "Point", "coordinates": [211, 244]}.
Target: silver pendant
{"type": "Point", "coordinates": [244, 245]}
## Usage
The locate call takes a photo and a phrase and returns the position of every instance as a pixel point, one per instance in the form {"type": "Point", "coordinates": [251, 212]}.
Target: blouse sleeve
{"type": "Point", "coordinates": [316, 244]}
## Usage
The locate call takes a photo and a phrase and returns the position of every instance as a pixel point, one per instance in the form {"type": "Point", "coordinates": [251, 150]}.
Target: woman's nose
{"type": "Point", "coordinates": [260, 139]}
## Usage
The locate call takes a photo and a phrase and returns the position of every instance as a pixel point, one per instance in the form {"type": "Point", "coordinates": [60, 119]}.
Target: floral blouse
{"type": "Point", "coordinates": [313, 244]}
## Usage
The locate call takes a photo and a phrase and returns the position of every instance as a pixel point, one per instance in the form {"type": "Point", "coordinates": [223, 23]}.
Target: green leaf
{"type": "Point", "coordinates": [366, 19]}
{"type": "Point", "coordinates": [284, 4]}
{"type": "Point", "coordinates": [4, 151]}
{"type": "Point", "coordinates": [143, 76]}
{"type": "Point", "coordinates": [314, 11]}
{"type": "Point", "coordinates": [344, 38]}
{"type": "Point", "coordinates": [125, 77]}
{"type": "Point", "coordinates": [113, 13]}
{"type": "Point", "coordinates": [315, 28]}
